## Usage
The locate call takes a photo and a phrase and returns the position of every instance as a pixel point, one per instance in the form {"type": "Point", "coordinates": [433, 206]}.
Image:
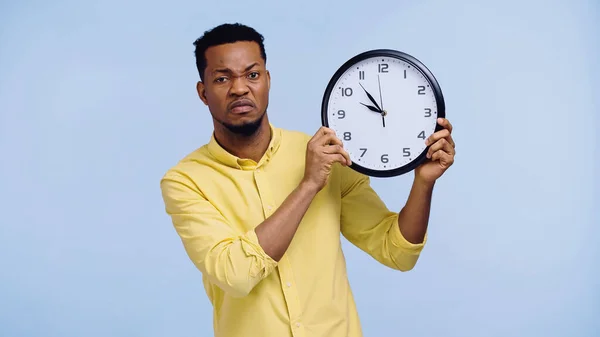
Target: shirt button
{"type": "Point", "coordinates": [269, 207]}
{"type": "Point", "coordinates": [298, 325]}
{"type": "Point", "coordinates": [288, 284]}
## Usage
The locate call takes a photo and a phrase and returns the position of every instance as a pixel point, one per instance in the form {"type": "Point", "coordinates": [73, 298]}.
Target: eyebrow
{"type": "Point", "coordinates": [227, 70]}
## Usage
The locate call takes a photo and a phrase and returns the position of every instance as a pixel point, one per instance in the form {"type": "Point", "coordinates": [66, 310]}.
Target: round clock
{"type": "Point", "coordinates": [383, 104]}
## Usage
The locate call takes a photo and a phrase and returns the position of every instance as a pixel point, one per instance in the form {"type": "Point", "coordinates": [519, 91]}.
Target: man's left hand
{"type": "Point", "coordinates": [440, 155]}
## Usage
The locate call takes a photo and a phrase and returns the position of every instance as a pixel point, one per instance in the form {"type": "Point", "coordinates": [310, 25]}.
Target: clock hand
{"type": "Point", "coordinates": [383, 112]}
{"type": "Point", "coordinates": [380, 98]}
{"type": "Point", "coordinates": [370, 97]}
{"type": "Point", "coordinates": [372, 108]}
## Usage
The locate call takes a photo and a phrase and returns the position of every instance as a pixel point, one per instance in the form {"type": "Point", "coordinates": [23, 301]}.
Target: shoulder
{"type": "Point", "coordinates": [292, 142]}
{"type": "Point", "coordinates": [296, 137]}
{"type": "Point", "coordinates": [187, 167]}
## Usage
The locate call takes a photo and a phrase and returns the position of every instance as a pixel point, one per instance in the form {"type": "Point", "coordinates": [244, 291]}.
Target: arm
{"type": "Point", "coordinates": [322, 151]}
{"type": "Point", "coordinates": [414, 216]}
{"type": "Point", "coordinates": [234, 261]}
{"type": "Point", "coordinates": [368, 224]}
{"type": "Point", "coordinates": [396, 239]}
{"type": "Point", "coordinates": [237, 262]}
{"type": "Point", "coordinates": [276, 232]}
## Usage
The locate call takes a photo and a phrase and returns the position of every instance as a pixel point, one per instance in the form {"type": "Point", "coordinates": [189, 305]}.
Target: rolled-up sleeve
{"type": "Point", "coordinates": [233, 261]}
{"type": "Point", "coordinates": [367, 223]}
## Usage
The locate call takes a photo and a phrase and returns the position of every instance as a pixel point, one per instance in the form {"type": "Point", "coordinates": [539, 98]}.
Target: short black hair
{"type": "Point", "coordinates": [222, 34]}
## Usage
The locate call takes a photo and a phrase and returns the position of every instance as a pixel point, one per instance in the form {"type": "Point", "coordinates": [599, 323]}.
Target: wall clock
{"type": "Point", "coordinates": [383, 104]}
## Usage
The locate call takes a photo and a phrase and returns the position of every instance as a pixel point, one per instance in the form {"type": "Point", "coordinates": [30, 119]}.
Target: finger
{"type": "Point", "coordinates": [337, 157]}
{"type": "Point", "coordinates": [322, 132]}
{"type": "Point", "coordinates": [324, 137]}
{"type": "Point", "coordinates": [331, 139]}
{"type": "Point", "coordinates": [338, 149]}
{"type": "Point", "coordinates": [445, 123]}
{"type": "Point", "coordinates": [327, 136]}
{"type": "Point", "coordinates": [437, 136]}
{"type": "Point", "coordinates": [444, 158]}
{"type": "Point", "coordinates": [451, 141]}
{"type": "Point", "coordinates": [441, 144]}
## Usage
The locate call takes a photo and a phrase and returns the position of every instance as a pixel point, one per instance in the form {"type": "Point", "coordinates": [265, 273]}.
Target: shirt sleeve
{"type": "Point", "coordinates": [368, 224]}
{"type": "Point", "coordinates": [233, 261]}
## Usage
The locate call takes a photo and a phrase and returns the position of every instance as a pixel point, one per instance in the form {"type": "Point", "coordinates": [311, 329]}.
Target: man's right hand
{"type": "Point", "coordinates": [323, 150]}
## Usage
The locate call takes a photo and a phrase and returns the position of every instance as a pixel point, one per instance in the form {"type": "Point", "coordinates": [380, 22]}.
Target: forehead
{"type": "Point", "coordinates": [235, 56]}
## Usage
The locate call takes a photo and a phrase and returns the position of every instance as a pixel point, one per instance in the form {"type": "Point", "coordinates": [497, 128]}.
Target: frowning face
{"type": "Point", "coordinates": [236, 86]}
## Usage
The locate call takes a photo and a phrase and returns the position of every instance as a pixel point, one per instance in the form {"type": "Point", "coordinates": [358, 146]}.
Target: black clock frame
{"type": "Point", "coordinates": [437, 91]}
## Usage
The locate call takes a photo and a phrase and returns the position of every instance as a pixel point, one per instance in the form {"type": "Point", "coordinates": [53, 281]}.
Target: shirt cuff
{"type": "Point", "coordinates": [399, 241]}
{"type": "Point", "coordinates": [263, 269]}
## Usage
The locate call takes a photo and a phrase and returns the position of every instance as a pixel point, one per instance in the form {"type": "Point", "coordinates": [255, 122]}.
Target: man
{"type": "Point", "coordinates": [260, 209]}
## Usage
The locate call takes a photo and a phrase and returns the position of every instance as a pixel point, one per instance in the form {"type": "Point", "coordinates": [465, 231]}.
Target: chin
{"type": "Point", "coordinates": [245, 124]}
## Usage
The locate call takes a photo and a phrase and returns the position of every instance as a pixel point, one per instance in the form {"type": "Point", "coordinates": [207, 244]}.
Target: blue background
{"type": "Point", "coordinates": [97, 101]}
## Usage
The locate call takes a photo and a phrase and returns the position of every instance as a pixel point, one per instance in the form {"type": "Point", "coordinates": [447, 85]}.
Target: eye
{"type": "Point", "coordinates": [253, 75]}
{"type": "Point", "coordinates": [220, 79]}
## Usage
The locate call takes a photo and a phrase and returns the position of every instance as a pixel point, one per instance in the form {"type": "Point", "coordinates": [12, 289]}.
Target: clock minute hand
{"type": "Point", "coordinates": [380, 97]}
{"type": "Point", "coordinates": [383, 112]}
{"type": "Point", "coordinates": [371, 97]}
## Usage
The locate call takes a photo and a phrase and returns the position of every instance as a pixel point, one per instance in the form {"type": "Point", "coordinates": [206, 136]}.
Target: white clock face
{"type": "Point", "coordinates": [388, 131]}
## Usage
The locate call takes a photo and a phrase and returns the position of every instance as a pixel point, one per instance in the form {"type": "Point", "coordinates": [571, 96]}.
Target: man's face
{"type": "Point", "coordinates": [236, 86]}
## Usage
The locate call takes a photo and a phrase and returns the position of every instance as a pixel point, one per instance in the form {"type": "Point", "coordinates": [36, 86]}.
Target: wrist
{"type": "Point", "coordinates": [423, 183]}
{"type": "Point", "coordinates": [308, 188]}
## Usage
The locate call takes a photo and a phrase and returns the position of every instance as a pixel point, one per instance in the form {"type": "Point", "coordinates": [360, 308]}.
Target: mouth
{"type": "Point", "coordinates": [241, 106]}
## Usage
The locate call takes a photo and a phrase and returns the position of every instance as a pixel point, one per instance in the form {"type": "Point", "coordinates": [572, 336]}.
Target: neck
{"type": "Point", "coordinates": [245, 147]}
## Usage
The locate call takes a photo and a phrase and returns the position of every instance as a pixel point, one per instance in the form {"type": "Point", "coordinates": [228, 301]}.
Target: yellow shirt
{"type": "Point", "coordinates": [216, 200]}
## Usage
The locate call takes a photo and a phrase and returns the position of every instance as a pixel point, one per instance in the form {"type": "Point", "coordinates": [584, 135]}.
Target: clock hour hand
{"type": "Point", "coordinates": [370, 97]}
{"type": "Point", "coordinates": [372, 108]}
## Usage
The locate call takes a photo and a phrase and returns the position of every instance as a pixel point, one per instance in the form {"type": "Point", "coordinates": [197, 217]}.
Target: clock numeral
{"type": "Point", "coordinates": [384, 158]}
{"type": "Point", "coordinates": [421, 90]}
{"type": "Point", "coordinates": [427, 112]}
{"type": "Point", "coordinates": [404, 73]}
{"type": "Point", "coordinates": [341, 114]}
{"type": "Point", "coordinates": [363, 151]}
{"type": "Point", "coordinates": [347, 136]}
{"type": "Point", "coordinates": [383, 67]}
{"type": "Point", "coordinates": [346, 91]}
{"type": "Point", "coordinates": [421, 135]}
{"type": "Point", "coordinates": [361, 75]}
{"type": "Point", "coordinates": [406, 152]}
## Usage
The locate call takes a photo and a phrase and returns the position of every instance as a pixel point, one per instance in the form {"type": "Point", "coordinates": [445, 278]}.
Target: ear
{"type": "Point", "coordinates": [201, 89]}
{"type": "Point", "coordinates": [268, 80]}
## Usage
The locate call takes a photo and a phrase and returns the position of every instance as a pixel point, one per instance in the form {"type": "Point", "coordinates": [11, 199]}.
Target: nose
{"type": "Point", "coordinates": [238, 86]}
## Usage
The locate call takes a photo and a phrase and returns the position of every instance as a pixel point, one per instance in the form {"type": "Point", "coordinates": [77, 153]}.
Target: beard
{"type": "Point", "coordinates": [245, 129]}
